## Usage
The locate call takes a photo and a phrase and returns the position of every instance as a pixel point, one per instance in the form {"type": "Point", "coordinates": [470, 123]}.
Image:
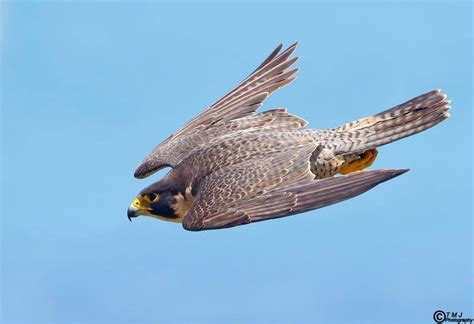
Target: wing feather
{"type": "Point", "coordinates": [280, 202]}
{"type": "Point", "coordinates": [242, 101]}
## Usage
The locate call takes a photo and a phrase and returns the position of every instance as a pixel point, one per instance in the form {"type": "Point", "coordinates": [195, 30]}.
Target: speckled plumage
{"type": "Point", "coordinates": [242, 166]}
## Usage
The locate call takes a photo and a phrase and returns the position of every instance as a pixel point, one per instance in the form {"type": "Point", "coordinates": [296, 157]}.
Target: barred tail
{"type": "Point", "coordinates": [411, 117]}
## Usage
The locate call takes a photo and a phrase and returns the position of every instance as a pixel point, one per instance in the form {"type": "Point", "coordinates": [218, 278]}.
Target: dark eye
{"type": "Point", "coordinates": [153, 197]}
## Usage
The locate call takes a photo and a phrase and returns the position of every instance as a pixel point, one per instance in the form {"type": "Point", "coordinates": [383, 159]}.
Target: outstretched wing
{"type": "Point", "coordinates": [243, 100]}
{"type": "Point", "coordinates": [211, 212]}
{"type": "Point", "coordinates": [279, 186]}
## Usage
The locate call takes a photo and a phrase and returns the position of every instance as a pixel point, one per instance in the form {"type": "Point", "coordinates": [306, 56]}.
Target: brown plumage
{"type": "Point", "coordinates": [233, 166]}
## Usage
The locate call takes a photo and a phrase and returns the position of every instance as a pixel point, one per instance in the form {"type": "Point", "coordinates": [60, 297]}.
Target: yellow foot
{"type": "Point", "coordinates": [366, 159]}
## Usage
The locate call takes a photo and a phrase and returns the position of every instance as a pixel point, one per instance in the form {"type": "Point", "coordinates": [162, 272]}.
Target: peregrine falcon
{"type": "Point", "coordinates": [231, 165]}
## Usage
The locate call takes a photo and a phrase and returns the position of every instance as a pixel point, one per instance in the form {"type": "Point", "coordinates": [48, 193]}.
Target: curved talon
{"type": "Point", "coordinates": [366, 160]}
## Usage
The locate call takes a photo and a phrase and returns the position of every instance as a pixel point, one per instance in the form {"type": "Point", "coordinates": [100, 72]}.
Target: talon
{"type": "Point", "coordinates": [366, 160]}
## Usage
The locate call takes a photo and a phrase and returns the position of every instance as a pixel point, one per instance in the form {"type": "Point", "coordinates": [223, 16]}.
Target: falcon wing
{"type": "Point", "coordinates": [243, 100]}
{"type": "Point", "coordinates": [273, 188]}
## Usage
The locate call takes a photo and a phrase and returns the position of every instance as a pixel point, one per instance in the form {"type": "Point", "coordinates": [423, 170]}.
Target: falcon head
{"type": "Point", "coordinates": [163, 200]}
{"type": "Point", "coordinates": [160, 205]}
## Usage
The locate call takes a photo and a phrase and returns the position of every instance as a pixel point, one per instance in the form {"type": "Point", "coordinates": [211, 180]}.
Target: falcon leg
{"type": "Point", "coordinates": [366, 159]}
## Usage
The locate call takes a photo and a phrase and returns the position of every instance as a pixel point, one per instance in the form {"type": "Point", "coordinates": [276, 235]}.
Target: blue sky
{"type": "Point", "coordinates": [89, 88]}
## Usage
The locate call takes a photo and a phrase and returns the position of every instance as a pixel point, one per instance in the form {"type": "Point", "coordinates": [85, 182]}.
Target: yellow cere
{"type": "Point", "coordinates": [136, 203]}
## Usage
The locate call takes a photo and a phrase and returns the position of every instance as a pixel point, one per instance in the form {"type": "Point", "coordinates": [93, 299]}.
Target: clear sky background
{"type": "Point", "coordinates": [89, 88]}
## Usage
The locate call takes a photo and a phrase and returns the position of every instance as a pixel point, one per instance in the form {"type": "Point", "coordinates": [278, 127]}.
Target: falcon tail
{"type": "Point", "coordinates": [411, 117]}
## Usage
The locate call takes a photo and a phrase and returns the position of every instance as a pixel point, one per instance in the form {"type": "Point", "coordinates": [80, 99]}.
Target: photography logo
{"type": "Point", "coordinates": [457, 317]}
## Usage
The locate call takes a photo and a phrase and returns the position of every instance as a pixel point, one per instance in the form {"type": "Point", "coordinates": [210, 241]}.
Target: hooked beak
{"type": "Point", "coordinates": [132, 212]}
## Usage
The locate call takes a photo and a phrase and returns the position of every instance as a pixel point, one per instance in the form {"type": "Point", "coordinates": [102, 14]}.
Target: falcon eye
{"type": "Point", "coordinates": [153, 197]}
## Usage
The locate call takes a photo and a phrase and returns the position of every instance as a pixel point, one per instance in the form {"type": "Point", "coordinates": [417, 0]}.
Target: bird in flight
{"type": "Point", "coordinates": [232, 165]}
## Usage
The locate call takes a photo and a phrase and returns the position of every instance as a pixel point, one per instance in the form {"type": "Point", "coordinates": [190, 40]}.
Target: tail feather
{"type": "Point", "coordinates": [411, 117]}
